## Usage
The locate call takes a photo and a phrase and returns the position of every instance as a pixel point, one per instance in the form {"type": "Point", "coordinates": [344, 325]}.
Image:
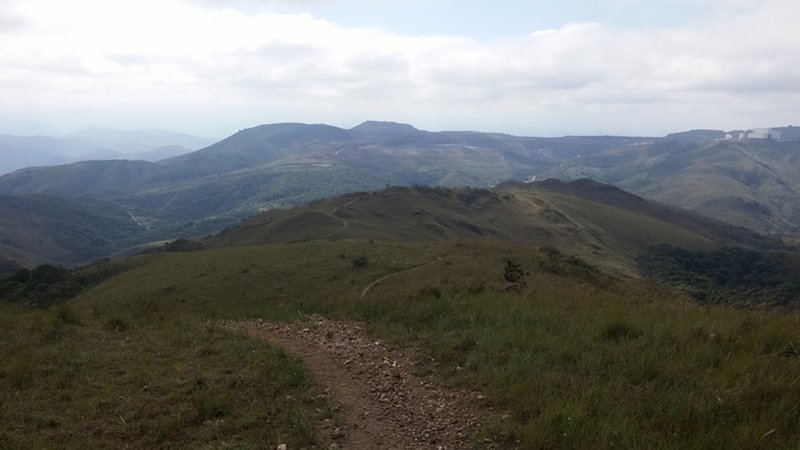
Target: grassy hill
{"type": "Point", "coordinates": [571, 358]}
{"type": "Point", "coordinates": [602, 224]}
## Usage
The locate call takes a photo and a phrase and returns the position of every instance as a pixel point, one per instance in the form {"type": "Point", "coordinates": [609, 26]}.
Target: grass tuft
{"type": "Point", "coordinates": [620, 331]}
{"type": "Point", "coordinates": [117, 324]}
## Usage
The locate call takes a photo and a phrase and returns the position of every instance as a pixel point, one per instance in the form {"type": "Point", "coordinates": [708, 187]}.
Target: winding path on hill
{"type": "Point", "coordinates": [386, 277]}
{"type": "Point", "coordinates": [332, 215]}
{"type": "Point", "coordinates": [373, 388]}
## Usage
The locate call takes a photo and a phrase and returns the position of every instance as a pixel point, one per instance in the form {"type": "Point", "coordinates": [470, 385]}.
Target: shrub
{"type": "Point", "coordinates": [360, 262]}
{"type": "Point", "coordinates": [792, 350]}
{"type": "Point", "coordinates": [513, 272]}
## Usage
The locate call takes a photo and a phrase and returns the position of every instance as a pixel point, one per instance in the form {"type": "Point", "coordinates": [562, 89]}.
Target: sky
{"type": "Point", "coordinates": [543, 68]}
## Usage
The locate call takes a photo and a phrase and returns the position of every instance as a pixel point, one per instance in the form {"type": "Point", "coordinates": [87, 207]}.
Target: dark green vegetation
{"type": "Point", "coordinates": [48, 285]}
{"type": "Point", "coordinates": [39, 228]}
{"type": "Point", "coordinates": [580, 353]}
{"type": "Point", "coordinates": [752, 184]}
{"type": "Point", "coordinates": [728, 275]}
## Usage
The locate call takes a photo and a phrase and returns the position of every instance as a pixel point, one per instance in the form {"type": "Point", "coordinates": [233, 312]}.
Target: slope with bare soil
{"type": "Point", "coordinates": [383, 402]}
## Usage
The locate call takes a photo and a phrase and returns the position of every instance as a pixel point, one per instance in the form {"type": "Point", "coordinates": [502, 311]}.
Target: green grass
{"type": "Point", "coordinates": [576, 359]}
{"type": "Point", "coordinates": [69, 382]}
{"type": "Point", "coordinates": [609, 228]}
{"type": "Point", "coordinates": [578, 370]}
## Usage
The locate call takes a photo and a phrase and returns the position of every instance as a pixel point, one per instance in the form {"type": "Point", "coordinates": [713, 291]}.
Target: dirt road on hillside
{"type": "Point", "coordinates": [384, 405]}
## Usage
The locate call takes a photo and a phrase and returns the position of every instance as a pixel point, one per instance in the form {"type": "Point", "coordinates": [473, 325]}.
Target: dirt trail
{"type": "Point", "coordinates": [383, 404]}
{"type": "Point", "coordinates": [332, 215]}
{"type": "Point", "coordinates": [386, 277]}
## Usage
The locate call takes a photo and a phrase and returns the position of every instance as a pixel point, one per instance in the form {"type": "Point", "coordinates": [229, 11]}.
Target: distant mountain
{"type": "Point", "coordinates": [161, 153]}
{"type": "Point", "coordinates": [24, 151]}
{"type": "Point", "coordinates": [254, 147]}
{"type": "Point", "coordinates": [750, 183]}
{"type": "Point", "coordinates": [696, 136]}
{"type": "Point", "coordinates": [18, 152]}
{"type": "Point", "coordinates": [288, 164]}
{"type": "Point", "coordinates": [157, 154]}
{"type": "Point", "coordinates": [131, 142]}
{"type": "Point", "coordinates": [755, 184]}
{"type": "Point", "coordinates": [373, 129]}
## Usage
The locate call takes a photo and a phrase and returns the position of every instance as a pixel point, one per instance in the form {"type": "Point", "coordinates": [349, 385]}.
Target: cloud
{"type": "Point", "coordinates": [577, 77]}
{"type": "Point", "coordinates": [10, 23]}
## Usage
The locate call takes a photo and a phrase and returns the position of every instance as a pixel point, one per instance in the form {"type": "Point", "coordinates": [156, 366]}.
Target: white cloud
{"type": "Point", "coordinates": [233, 68]}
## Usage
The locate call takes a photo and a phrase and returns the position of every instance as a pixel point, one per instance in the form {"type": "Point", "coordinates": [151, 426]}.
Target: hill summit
{"type": "Point", "coordinates": [602, 223]}
{"type": "Point", "coordinates": [372, 128]}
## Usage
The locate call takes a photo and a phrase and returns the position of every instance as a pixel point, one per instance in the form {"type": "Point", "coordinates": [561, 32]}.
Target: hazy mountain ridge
{"type": "Point", "coordinates": [18, 152]}
{"type": "Point", "coordinates": [754, 183]}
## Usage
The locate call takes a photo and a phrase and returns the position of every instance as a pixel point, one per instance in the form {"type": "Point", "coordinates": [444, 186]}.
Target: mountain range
{"type": "Point", "coordinates": [574, 314]}
{"type": "Point", "coordinates": [96, 143]}
{"type": "Point", "coordinates": [750, 183]}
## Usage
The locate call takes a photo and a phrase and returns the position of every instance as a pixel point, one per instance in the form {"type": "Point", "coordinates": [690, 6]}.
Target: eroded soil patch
{"type": "Point", "coordinates": [384, 404]}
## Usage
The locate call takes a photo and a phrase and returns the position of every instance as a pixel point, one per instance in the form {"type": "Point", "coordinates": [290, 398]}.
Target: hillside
{"type": "Point", "coordinates": [285, 328]}
{"type": "Point", "coordinates": [11, 261]}
{"type": "Point", "coordinates": [38, 229]}
{"type": "Point", "coordinates": [751, 184]}
{"type": "Point", "coordinates": [150, 353]}
{"type": "Point", "coordinates": [98, 179]}
{"type": "Point", "coordinates": [602, 224]}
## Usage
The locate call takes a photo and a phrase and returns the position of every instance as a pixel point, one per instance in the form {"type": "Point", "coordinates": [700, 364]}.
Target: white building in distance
{"type": "Point", "coordinates": [760, 133]}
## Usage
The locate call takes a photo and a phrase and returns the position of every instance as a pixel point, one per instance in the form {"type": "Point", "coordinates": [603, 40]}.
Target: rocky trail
{"type": "Point", "coordinates": [384, 404]}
